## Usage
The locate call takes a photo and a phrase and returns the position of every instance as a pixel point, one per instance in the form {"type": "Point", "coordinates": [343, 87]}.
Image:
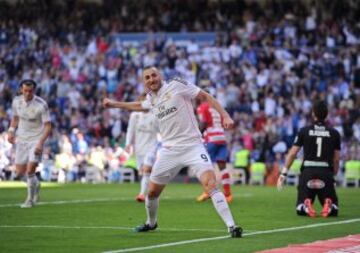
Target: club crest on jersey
{"type": "Point", "coordinates": [315, 184]}
{"type": "Point", "coordinates": [167, 96]}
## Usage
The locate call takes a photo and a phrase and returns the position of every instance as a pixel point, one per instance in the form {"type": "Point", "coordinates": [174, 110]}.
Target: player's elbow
{"type": "Point", "coordinates": [203, 96]}
{"type": "Point", "coordinates": [48, 126]}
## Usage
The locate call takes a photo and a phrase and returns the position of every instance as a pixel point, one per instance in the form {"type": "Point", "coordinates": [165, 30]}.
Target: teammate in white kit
{"type": "Point", "coordinates": [29, 128]}
{"type": "Point", "coordinates": [141, 136]}
{"type": "Point", "coordinates": [182, 146]}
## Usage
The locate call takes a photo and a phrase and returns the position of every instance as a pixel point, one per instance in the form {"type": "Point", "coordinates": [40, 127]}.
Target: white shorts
{"type": "Point", "coordinates": [139, 161]}
{"type": "Point", "coordinates": [25, 153]}
{"type": "Point", "coordinates": [172, 159]}
{"type": "Point", "coordinates": [149, 158]}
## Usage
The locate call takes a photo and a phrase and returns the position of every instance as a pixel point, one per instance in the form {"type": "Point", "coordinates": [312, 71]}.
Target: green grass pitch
{"type": "Point", "coordinates": [99, 218]}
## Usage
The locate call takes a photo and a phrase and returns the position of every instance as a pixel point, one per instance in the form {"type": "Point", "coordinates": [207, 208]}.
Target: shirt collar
{"type": "Point", "coordinates": [28, 102]}
{"type": "Point", "coordinates": [160, 91]}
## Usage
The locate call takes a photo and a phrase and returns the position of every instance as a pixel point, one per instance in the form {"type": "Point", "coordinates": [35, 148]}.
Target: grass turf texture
{"type": "Point", "coordinates": [105, 224]}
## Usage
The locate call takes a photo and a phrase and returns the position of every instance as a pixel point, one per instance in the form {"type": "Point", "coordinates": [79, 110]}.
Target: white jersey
{"type": "Point", "coordinates": [32, 116]}
{"type": "Point", "coordinates": [142, 132]}
{"type": "Point", "coordinates": [174, 111]}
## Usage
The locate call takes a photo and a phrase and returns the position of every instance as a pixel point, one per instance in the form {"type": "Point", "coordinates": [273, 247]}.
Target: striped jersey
{"type": "Point", "coordinates": [214, 132]}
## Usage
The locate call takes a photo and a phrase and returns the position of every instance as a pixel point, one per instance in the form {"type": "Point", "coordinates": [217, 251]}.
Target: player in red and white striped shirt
{"type": "Point", "coordinates": [210, 122]}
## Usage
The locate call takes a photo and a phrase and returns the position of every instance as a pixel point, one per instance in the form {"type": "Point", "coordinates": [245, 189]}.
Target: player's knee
{"type": "Point", "coordinates": [210, 184]}
{"type": "Point", "coordinates": [146, 169]}
{"type": "Point", "coordinates": [20, 171]}
{"type": "Point", "coordinates": [301, 212]}
{"type": "Point", "coordinates": [221, 165]}
{"type": "Point", "coordinates": [153, 193]}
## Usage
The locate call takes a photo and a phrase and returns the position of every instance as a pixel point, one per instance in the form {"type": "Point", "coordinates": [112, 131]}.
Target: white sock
{"type": "Point", "coordinates": [151, 205]}
{"type": "Point", "coordinates": [222, 207]}
{"type": "Point", "coordinates": [144, 183]}
{"type": "Point", "coordinates": [32, 182]}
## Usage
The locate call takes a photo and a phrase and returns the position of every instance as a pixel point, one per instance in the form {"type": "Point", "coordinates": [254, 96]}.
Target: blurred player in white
{"type": "Point", "coordinates": [171, 103]}
{"type": "Point", "coordinates": [29, 128]}
{"type": "Point", "coordinates": [141, 137]}
{"type": "Point", "coordinates": [214, 135]}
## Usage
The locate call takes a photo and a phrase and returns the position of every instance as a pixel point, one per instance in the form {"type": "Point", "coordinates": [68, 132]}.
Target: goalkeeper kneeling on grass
{"type": "Point", "coordinates": [321, 146]}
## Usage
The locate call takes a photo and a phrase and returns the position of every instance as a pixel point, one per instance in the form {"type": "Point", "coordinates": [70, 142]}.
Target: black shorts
{"type": "Point", "coordinates": [316, 182]}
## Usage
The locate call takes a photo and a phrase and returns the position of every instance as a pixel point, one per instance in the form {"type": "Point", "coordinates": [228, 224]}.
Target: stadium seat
{"type": "Point", "coordinates": [258, 171]}
{"type": "Point", "coordinates": [352, 173]}
{"type": "Point", "coordinates": [93, 175]}
{"type": "Point", "coordinates": [127, 175]}
{"type": "Point", "coordinates": [237, 175]}
{"type": "Point", "coordinates": [294, 172]}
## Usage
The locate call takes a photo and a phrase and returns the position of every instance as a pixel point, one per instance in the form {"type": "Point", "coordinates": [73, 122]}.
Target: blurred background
{"type": "Point", "coordinates": [266, 61]}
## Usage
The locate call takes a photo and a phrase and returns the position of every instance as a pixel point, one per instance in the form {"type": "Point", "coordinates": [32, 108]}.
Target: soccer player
{"type": "Point", "coordinates": [182, 145]}
{"type": "Point", "coordinates": [141, 135]}
{"type": "Point", "coordinates": [321, 146]}
{"type": "Point", "coordinates": [30, 126]}
{"type": "Point", "coordinates": [210, 122]}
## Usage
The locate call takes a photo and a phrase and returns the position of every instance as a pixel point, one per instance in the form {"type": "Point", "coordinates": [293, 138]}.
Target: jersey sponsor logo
{"type": "Point", "coordinates": [315, 184]}
{"type": "Point", "coordinates": [319, 133]}
{"type": "Point", "coordinates": [166, 112]}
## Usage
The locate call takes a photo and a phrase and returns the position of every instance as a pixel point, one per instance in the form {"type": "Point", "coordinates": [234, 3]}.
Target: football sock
{"type": "Point", "coordinates": [32, 182]}
{"type": "Point", "coordinates": [151, 205]}
{"type": "Point", "coordinates": [222, 207]}
{"type": "Point", "coordinates": [144, 183]}
{"type": "Point", "coordinates": [226, 181]}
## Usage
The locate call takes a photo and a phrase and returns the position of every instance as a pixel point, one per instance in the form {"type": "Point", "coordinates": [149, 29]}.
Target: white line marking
{"type": "Point", "coordinates": [107, 227]}
{"type": "Point", "coordinates": [76, 201]}
{"type": "Point", "coordinates": [227, 236]}
{"type": "Point", "coordinates": [79, 201]}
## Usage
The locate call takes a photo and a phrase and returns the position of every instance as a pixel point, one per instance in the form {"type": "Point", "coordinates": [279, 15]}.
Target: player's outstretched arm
{"type": "Point", "coordinates": [227, 120]}
{"type": "Point", "coordinates": [131, 106]}
{"type": "Point", "coordinates": [288, 162]}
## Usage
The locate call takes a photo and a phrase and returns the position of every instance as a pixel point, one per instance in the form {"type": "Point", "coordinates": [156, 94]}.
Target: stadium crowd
{"type": "Point", "coordinates": [265, 67]}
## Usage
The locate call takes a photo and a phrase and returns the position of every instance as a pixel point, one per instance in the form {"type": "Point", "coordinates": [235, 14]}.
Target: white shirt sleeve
{"type": "Point", "coordinates": [185, 89]}
{"type": "Point", "coordinates": [45, 114]}
{"type": "Point", "coordinates": [130, 132]}
{"type": "Point", "coordinates": [13, 108]}
{"type": "Point", "coordinates": [146, 104]}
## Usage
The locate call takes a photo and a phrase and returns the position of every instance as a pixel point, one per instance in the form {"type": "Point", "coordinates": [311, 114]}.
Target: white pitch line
{"type": "Point", "coordinates": [79, 201]}
{"type": "Point", "coordinates": [76, 201]}
{"type": "Point", "coordinates": [227, 236]}
{"type": "Point", "coordinates": [106, 227]}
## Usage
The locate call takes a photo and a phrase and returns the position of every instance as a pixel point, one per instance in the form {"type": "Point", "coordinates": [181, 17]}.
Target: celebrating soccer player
{"type": "Point", "coordinates": [182, 145]}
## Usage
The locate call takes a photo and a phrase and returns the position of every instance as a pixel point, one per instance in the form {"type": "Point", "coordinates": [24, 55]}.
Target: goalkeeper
{"type": "Point", "coordinates": [321, 146]}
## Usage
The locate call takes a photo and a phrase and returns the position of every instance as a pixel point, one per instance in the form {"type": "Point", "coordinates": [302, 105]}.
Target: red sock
{"type": "Point", "coordinates": [225, 180]}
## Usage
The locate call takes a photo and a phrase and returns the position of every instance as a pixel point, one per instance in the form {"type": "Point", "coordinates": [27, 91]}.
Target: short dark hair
{"type": "Point", "coordinates": [28, 82]}
{"type": "Point", "coordinates": [148, 67]}
{"type": "Point", "coordinates": [320, 110]}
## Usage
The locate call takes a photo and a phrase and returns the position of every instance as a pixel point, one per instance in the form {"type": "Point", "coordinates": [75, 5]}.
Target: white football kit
{"type": "Point", "coordinates": [181, 139]}
{"type": "Point", "coordinates": [142, 134]}
{"type": "Point", "coordinates": [32, 116]}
